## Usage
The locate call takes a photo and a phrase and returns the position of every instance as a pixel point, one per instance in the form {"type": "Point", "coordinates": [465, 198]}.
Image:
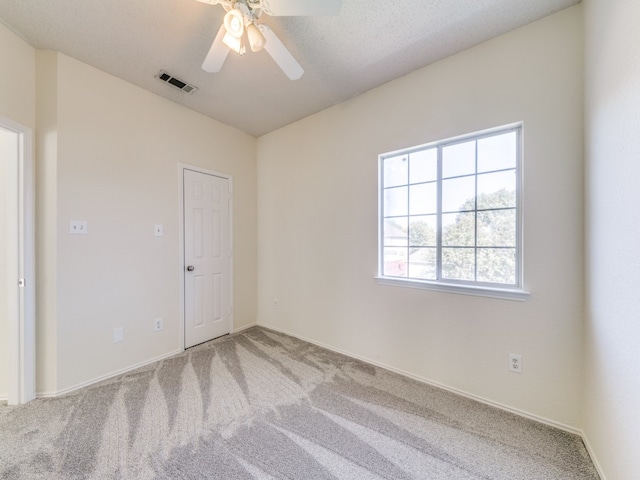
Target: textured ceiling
{"type": "Point", "coordinates": [371, 42]}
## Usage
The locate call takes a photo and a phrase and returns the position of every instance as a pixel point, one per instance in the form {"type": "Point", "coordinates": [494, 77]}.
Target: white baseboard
{"type": "Point", "coordinates": [121, 371]}
{"type": "Point", "coordinates": [239, 329]}
{"type": "Point", "coordinates": [457, 391]}
{"type": "Point", "coordinates": [107, 376]}
{"type": "Point", "coordinates": [501, 406]}
{"type": "Point", "coordinates": [592, 454]}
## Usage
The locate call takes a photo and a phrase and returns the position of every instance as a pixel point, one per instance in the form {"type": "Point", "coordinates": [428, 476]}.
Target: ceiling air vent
{"type": "Point", "coordinates": [170, 79]}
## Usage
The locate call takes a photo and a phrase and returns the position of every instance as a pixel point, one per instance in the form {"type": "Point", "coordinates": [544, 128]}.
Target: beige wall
{"type": "Point", "coordinates": [46, 215]}
{"type": "Point", "coordinates": [118, 149]}
{"type": "Point", "coordinates": [17, 103]}
{"type": "Point", "coordinates": [17, 89]}
{"type": "Point", "coordinates": [108, 152]}
{"type": "Point", "coordinates": [612, 340]}
{"type": "Point", "coordinates": [317, 197]}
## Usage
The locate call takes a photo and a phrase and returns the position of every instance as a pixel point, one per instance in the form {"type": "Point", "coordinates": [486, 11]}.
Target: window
{"type": "Point", "coordinates": [450, 214]}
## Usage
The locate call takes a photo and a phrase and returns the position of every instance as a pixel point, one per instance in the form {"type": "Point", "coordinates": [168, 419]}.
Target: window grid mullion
{"type": "Point", "coordinates": [475, 216]}
{"type": "Point", "coordinates": [381, 216]}
{"type": "Point", "coordinates": [439, 216]}
{"type": "Point", "coordinates": [408, 211]}
{"type": "Point", "coordinates": [519, 207]}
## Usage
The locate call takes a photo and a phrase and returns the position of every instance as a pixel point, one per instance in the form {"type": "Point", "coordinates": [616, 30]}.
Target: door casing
{"type": "Point", "coordinates": [21, 356]}
{"type": "Point", "coordinates": [181, 168]}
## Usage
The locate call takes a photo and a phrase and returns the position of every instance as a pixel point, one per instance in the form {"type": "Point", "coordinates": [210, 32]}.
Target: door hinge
{"type": "Point", "coordinates": [22, 282]}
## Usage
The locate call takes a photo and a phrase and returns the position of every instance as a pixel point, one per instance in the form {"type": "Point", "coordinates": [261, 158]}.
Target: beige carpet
{"type": "Point", "coordinates": [262, 405]}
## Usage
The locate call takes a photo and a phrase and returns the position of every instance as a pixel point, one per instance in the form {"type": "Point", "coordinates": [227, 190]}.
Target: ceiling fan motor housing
{"type": "Point", "coordinates": [242, 14]}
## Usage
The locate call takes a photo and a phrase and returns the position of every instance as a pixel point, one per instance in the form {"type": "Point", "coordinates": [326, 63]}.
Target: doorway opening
{"type": "Point", "coordinates": [17, 252]}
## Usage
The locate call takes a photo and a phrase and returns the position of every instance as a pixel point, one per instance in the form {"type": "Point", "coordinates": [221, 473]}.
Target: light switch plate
{"type": "Point", "coordinates": [78, 227]}
{"type": "Point", "coordinates": [158, 230]}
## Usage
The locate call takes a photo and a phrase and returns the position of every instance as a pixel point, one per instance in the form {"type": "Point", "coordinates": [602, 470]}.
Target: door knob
{"type": "Point", "coordinates": [190, 268]}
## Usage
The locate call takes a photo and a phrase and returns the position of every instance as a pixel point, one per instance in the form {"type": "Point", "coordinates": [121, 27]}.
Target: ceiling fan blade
{"type": "Point", "coordinates": [217, 53]}
{"type": "Point", "coordinates": [286, 8]}
{"type": "Point", "coordinates": [280, 54]}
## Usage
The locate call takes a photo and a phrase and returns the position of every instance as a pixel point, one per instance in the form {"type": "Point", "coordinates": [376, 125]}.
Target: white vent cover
{"type": "Point", "coordinates": [176, 82]}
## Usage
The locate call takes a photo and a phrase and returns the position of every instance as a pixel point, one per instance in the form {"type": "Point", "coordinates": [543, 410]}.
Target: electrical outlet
{"type": "Point", "coordinates": [275, 303]}
{"type": "Point", "coordinates": [118, 335]}
{"type": "Point", "coordinates": [515, 362]}
{"type": "Point", "coordinates": [157, 324]}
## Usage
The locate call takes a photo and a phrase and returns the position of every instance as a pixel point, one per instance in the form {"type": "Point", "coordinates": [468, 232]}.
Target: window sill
{"type": "Point", "coordinates": [479, 291]}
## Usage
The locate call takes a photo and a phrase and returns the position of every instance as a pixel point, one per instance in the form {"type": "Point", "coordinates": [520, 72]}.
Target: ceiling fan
{"type": "Point", "coordinates": [241, 18]}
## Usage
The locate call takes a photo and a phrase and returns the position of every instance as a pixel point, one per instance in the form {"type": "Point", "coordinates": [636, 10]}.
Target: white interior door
{"type": "Point", "coordinates": [207, 257]}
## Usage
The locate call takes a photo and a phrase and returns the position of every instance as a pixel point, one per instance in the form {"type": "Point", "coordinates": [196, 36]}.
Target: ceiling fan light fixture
{"type": "Point", "coordinates": [234, 43]}
{"type": "Point", "coordinates": [234, 23]}
{"type": "Point", "coordinates": [256, 38]}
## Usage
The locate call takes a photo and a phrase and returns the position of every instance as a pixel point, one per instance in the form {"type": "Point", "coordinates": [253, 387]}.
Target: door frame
{"type": "Point", "coordinates": [181, 169]}
{"type": "Point", "coordinates": [21, 333]}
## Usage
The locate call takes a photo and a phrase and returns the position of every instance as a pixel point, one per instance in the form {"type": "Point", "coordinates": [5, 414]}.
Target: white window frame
{"type": "Point", "coordinates": [509, 292]}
